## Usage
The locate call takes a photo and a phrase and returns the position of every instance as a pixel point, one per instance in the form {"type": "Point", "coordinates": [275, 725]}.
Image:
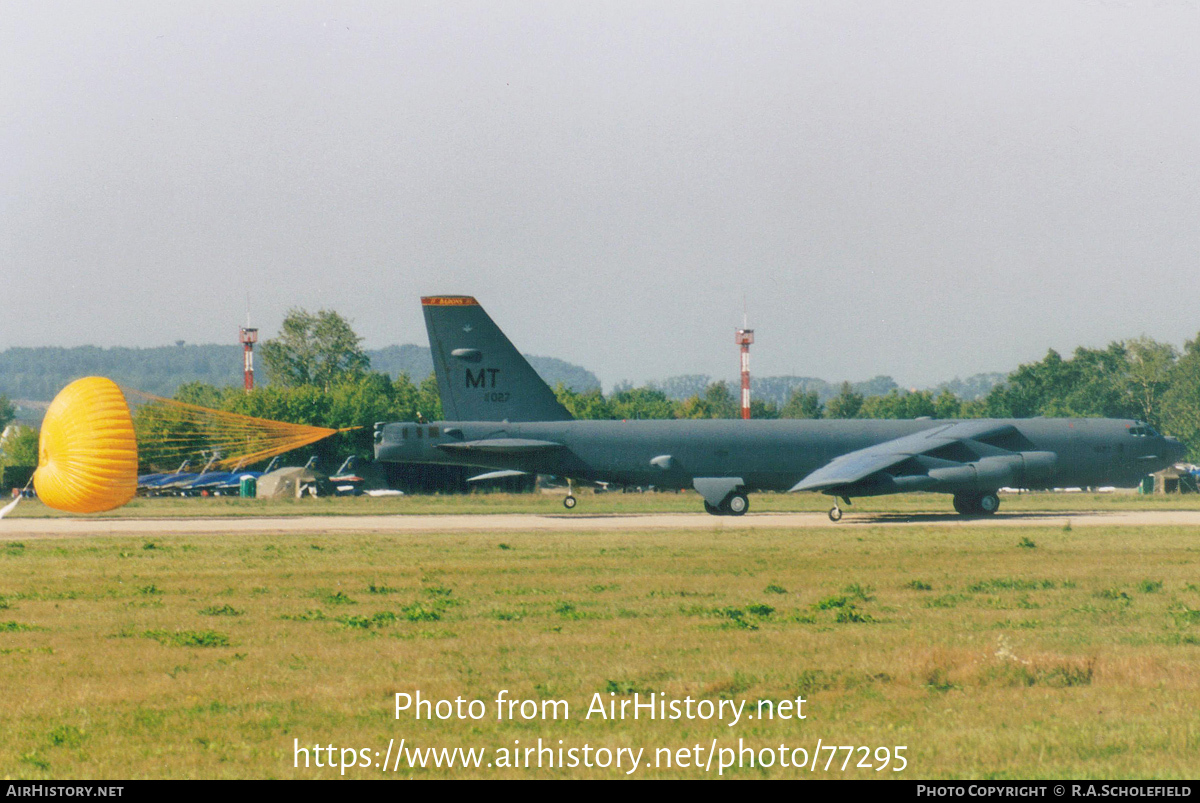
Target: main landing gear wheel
{"type": "Point", "coordinates": [976, 504]}
{"type": "Point", "coordinates": [569, 502]}
{"type": "Point", "coordinates": [736, 504]}
{"type": "Point", "coordinates": [713, 511]}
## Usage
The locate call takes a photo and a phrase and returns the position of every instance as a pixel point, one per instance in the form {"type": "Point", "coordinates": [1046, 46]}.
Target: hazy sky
{"type": "Point", "coordinates": [912, 188]}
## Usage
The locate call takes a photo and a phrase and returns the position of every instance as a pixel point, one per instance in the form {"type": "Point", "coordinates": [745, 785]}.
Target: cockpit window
{"type": "Point", "coordinates": [1143, 431]}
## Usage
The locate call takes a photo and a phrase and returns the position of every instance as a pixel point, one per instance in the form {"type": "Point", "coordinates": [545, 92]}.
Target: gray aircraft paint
{"type": "Point", "coordinates": [504, 387]}
{"type": "Point", "coordinates": [514, 422]}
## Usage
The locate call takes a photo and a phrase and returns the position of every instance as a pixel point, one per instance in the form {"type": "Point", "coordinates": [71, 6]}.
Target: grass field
{"type": "Point", "coordinates": [988, 652]}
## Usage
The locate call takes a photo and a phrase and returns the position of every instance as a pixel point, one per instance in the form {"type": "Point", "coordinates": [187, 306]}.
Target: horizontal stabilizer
{"type": "Point", "coordinates": [500, 445]}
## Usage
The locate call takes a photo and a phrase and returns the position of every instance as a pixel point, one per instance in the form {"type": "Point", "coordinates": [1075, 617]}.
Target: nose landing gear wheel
{"type": "Point", "coordinates": [569, 502]}
{"type": "Point", "coordinates": [835, 513]}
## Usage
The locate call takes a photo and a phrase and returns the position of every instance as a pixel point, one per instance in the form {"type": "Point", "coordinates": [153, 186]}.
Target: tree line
{"type": "Point", "coordinates": [1140, 379]}
{"type": "Point", "coordinates": [318, 374]}
{"type": "Point", "coordinates": [38, 374]}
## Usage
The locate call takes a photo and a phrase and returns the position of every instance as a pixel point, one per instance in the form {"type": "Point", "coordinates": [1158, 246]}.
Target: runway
{"type": "Point", "coordinates": [15, 528]}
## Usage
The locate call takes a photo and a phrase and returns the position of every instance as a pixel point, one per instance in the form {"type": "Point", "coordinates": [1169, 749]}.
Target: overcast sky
{"type": "Point", "coordinates": [909, 188]}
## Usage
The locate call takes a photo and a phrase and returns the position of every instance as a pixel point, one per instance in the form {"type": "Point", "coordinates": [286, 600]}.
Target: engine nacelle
{"type": "Point", "coordinates": [1024, 469]}
{"type": "Point", "coordinates": [1039, 468]}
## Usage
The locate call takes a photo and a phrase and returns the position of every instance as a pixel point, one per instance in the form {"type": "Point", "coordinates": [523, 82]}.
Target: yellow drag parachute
{"type": "Point", "coordinates": [87, 455]}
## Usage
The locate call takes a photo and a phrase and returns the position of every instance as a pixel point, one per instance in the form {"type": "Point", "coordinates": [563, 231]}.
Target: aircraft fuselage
{"type": "Point", "coordinates": [768, 455]}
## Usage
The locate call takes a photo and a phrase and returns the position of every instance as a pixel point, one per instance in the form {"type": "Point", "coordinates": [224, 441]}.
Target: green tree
{"type": "Point", "coordinates": [7, 412]}
{"type": "Point", "coordinates": [975, 408]}
{"type": "Point", "coordinates": [405, 398]}
{"type": "Point", "coordinates": [429, 399]}
{"type": "Point", "coordinates": [314, 349]}
{"type": "Point", "coordinates": [1124, 380]}
{"type": "Point", "coordinates": [21, 447]}
{"type": "Point", "coordinates": [947, 405]}
{"type": "Point", "coordinates": [1180, 406]}
{"type": "Point", "coordinates": [895, 404]}
{"type": "Point", "coordinates": [166, 434]}
{"type": "Point", "coordinates": [717, 402]}
{"type": "Point", "coordinates": [1150, 365]}
{"type": "Point", "coordinates": [1025, 392]}
{"type": "Point", "coordinates": [760, 409]}
{"type": "Point", "coordinates": [1098, 384]}
{"type": "Point", "coordinates": [1094, 382]}
{"type": "Point", "coordinates": [203, 394]}
{"type": "Point", "coordinates": [589, 406]}
{"type": "Point", "coordinates": [360, 402]}
{"type": "Point", "coordinates": [846, 404]}
{"type": "Point", "coordinates": [644, 402]}
{"type": "Point", "coordinates": [802, 405]}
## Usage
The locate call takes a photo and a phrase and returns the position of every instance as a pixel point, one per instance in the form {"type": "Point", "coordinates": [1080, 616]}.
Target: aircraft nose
{"type": "Point", "coordinates": [1175, 449]}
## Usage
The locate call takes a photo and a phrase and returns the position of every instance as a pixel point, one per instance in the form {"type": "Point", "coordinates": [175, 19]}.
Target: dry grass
{"type": "Point", "coordinates": [206, 657]}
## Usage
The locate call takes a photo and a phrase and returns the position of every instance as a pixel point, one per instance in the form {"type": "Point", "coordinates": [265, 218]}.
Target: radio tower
{"type": "Point", "coordinates": [249, 338]}
{"type": "Point", "coordinates": [744, 338]}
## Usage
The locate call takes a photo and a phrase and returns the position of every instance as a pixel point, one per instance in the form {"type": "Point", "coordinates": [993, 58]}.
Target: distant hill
{"type": "Point", "coordinates": [38, 374]}
{"type": "Point", "coordinates": [777, 389]}
{"type": "Point", "coordinates": [417, 363]}
{"type": "Point", "coordinates": [973, 387]}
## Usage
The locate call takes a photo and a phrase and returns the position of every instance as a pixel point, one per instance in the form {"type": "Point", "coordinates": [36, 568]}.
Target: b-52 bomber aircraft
{"type": "Point", "coordinates": [500, 415]}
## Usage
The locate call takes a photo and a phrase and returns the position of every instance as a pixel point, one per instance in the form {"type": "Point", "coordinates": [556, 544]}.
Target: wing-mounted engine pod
{"type": "Point", "coordinates": [1037, 468]}
{"type": "Point", "coordinates": [1023, 469]}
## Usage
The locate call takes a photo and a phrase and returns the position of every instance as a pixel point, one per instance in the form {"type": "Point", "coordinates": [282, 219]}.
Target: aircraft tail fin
{"type": "Point", "coordinates": [481, 375]}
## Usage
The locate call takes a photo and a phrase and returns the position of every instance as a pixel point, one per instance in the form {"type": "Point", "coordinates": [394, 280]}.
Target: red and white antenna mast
{"type": "Point", "coordinates": [249, 337]}
{"type": "Point", "coordinates": [744, 338]}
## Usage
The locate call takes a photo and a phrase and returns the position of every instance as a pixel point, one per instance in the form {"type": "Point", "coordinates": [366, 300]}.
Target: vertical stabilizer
{"type": "Point", "coordinates": [481, 376]}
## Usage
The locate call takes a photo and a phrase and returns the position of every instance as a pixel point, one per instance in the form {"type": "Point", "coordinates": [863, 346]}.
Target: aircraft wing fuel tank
{"type": "Point", "coordinates": [503, 418]}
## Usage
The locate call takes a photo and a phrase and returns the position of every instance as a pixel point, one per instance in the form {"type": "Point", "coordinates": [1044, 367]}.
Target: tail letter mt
{"type": "Point", "coordinates": [481, 380]}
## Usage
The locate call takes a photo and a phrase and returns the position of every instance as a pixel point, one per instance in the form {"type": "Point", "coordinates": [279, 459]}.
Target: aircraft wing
{"type": "Point", "coordinates": [944, 447]}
